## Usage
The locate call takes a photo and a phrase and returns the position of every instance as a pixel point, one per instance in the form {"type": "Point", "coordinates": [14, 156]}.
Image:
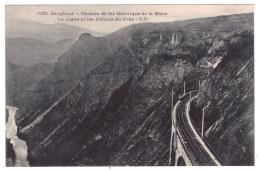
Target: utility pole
{"type": "Point", "coordinates": [174, 141]}
{"type": "Point", "coordinates": [202, 124]}
{"type": "Point", "coordinates": [190, 95]}
{"type": "Point", "coordinates": [172, 101]}
{"type": "Point", "coordinates": [175, 126]}
{"type": "Point", "coordinates": [175, 132]}
{"type": "Point", "coordinates": [170, 158]}
{"type": "Point", "coordinates": [199, 85]}
{"type": "Point", "coordinates": [184, 88]}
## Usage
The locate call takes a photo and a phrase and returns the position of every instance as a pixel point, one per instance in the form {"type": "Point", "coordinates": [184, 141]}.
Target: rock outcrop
{"type": "Point", "coordinates": [177, 37]}
{"type": "Point", "coordinates": [228, 95]}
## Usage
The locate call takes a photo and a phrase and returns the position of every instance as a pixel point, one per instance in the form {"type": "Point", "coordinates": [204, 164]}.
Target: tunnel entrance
{"type": "Point", "coordinates": [181, 162]}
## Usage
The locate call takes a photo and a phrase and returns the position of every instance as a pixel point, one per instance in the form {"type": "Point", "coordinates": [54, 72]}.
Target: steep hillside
{"type": "Point", "coordinates": [21, 79]}
{"type": "Point", "coordinates": [107, 100]}
{"type": "Point", "coordinates": [117, 94]}
{"type": "Point", "coordinates": [82, 57]}
{"type": "Point", "coordinates": [228, 97]}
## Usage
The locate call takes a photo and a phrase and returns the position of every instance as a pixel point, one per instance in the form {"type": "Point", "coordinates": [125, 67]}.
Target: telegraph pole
{"type": "Point", "coordinates": [184, 88]}
{"type": "Point", "coordinates": [175, 126]}
{"type": "Point", "coordinates": [175, 132]}
{"type": "Point", "coordinates": [170, 158]}
{"type": "Point", "coordinates": [199, 85]}
{"type": "Point", "coordinates": [172, 100]}
{"type": "Point", "coordinates": [174, 137]}
{"type": "Point", "coordinates": [190, 95]}
{"type": "Point", "coordinates": [202, 124]}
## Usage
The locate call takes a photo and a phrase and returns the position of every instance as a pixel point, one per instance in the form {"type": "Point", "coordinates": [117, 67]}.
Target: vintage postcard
{"type": "Point", "coordinates": [129, 85]}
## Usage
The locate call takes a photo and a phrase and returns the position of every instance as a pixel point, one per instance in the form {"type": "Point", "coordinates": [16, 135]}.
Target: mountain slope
{"type": "Point", "coordinates": [103, 102]}
{"type": "Point", "coordinates": [115, 107]}
{"type": "Point", "coordinates": [22, 79]}
{"type": "Point", "coordinates": [82, 57]}
{"type": "Point", "coordinates": [228, 95]}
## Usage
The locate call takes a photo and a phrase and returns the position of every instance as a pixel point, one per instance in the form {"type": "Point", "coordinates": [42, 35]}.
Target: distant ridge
{"type": "Point", "coordinates": [27, 51]}
{"type": "Point", "coordinates": [16, 28]}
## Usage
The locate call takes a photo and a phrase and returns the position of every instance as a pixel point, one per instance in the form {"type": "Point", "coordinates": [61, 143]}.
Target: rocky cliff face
{"type": "Point", "coordinates": [123, 87]}
{"type": "Point", "coordinates": [177, 37]}
{"type": "Point", "coordinates": [228, 95]}
{"type": "Point", "coordinates": [107, 101]}
{"type": "Point", "coordinates": [86, 54]}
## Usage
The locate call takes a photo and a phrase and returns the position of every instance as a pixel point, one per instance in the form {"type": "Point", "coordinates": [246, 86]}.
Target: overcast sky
{"type": "Point", "coordinates": [174, 12]}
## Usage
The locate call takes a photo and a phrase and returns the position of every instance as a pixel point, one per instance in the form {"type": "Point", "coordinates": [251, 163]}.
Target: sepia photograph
{"type": "Point", "coordinates": [129, 85]}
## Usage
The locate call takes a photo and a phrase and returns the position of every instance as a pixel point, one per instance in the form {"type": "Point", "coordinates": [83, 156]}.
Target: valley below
{"type": "Point", "coordinates": [107, 101]}
{"type": "Point", "coordinates": [19, 157]}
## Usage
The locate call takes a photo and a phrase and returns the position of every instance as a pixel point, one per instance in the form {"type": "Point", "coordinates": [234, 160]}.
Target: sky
{"type": "Point", "coordinates": [174, 13]}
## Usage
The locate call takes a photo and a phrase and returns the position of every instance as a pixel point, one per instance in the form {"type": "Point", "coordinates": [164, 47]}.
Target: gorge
{"type": "Point", "coordinates": [19, 146]}
{"type": "Point", "coordinates": [107, 100]}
